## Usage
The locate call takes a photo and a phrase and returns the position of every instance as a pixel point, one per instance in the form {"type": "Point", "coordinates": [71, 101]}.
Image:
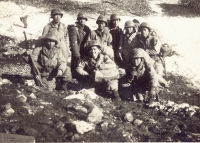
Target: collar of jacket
{"type": "Point", "coordinates": [49, 52]}
{"type": "Point", "coordinates": [55, 26]}
{"type": "Point", "coordinates": [79, 26]}
{"type": "Point", "coordinates": [115, 28]}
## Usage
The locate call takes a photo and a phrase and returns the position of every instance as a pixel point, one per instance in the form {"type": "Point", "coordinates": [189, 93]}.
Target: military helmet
{"type": "Point", "coordinates": [56, 11]}
{"type": "Point", "coordinates": [129, 24]}
{"type": "Point", "coordinates": [146, 25]}
{"type": "Point", "coordinates": [93, 43]}
{"type": "Point", "coordinates": [103, 19]}
{"type": "Point", "coordinates": [51, 37]}
{"type": "Point", "coordinates": [81, 15]}
{"type": "Point", "coordinates": [136, 53]}
{"type": "Point", "coordinates": [114, 17]}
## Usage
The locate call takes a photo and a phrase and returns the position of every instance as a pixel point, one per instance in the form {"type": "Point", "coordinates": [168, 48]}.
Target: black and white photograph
{"type": "Point", "coordinates": [99, 71]}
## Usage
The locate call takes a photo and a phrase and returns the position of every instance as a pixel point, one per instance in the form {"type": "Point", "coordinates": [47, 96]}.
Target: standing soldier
{"type": "Point", "coordinates": [151, 44]}
{"type": "Point", "coordinates": [128, 40]}
{"type": "Point", "coordinates": [78, 35]}
{"type": "Point", "coordinates": [102, 33]}
{"type": "Point", "coordinates": [116, 33]}
{"type": "Point", "coordinates": [58, 28]}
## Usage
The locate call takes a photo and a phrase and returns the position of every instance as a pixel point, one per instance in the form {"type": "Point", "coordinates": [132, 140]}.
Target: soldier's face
{"type": "Point", "coordinates": [144, 32]}
{"type": "Point", "coordinates": [101, 25]}
{"type": "Point", "coordinates": [81, 21]}
{"type": "Point", "coordinates": [50, 44]}
{"type": "Point", "coordinates": [56, 18]}
{"type": "Point", "coordinates": [129, 29]}
{"type": "Point", "coordinates": [136, 61]}
{"type": "Point", "coordinates": [94, 52]}
{"type": "Point", "coordinates": [115, 23]}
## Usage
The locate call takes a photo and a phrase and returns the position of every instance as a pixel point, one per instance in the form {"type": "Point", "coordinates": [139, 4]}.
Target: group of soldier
{"type": "Point", "coordinates": [98, 56]}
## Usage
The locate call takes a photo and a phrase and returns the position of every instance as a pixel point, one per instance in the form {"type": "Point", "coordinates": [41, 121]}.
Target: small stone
{"type": "Point", "coordinates": [138, 122]}
{"type": "Point", "coordinates": [8, 112]}
{"type": "Point", "coordinates": [170, 103]}
{"type": "Point", "coordinates": [32, 95]}
{"type": "Point", "coordinates": [83, 127]}
{"type": "Point", "coordinates": [128, 117]}
{"type": "Point", "coordinates": [112, 125]}
{"type": "Point", "coordinates": [75, 137]}
{"type": "Point", "coordinates": [95, 116]}
{"type": "Point", "coordinates": [6, 106]}
{"type": "Point", "coordinates": [75, 96]}
{"type": "Point", "coordinates": [6, 81]}
{"type": "Point", "coordinates": [21, 98]}
{"type": "Point", "coordinates": [30, 82]}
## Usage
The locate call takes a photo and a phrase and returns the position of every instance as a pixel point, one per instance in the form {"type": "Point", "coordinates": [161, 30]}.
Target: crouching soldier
{"type": "Point", "coordinates": [99, 70]}
{"type": "Point", "coordinates": [48, 63]}
{"type": "Point", "coordinates": [141, 76]}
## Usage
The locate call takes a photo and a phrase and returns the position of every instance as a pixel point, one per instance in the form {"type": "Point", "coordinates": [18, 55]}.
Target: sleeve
{"type": "Point", "coordinates": [73, 38]}
{"type": "Point", "coordinates": [36, 53]}
{"type": "Point", "coordinates": [61, 62]}
{"type": "Point", "coordinates": [107, 63]}
{"type": "Point", "coordinates": [109, 43]}
{"type": "Point", "coordinates": [155, 45]}
{"type": "Point", "coordinates": [153, 78]}
{"type": "Point", "coordinates": [45, 30]}
{"type": "Point", "coordinates": [80, 68]}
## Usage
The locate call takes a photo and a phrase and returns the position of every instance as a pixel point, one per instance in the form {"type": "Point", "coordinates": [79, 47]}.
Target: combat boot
{"type": "Point", "coordinates": [116, 96]}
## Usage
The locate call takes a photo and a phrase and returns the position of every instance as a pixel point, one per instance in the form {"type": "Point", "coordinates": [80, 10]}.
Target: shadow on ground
{"type": "Point", "coordinates": [179, 10]}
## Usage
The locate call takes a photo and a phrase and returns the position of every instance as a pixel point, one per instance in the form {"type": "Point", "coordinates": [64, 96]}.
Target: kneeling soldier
{"type": "Point", "coordinates": [99, 70]}
{"type": "Point", "coordinates": [141, 75]}
{"type": "Point", "coordinates": [49, 62]}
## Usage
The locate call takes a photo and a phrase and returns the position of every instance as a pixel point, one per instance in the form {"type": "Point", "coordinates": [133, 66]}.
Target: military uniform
{"type": "Point", "coordinates": [104, 37]}
{"type": "Point", "coordinates": [142, 77]}
{"type": "Point", "coordinates": [87, 68]}
{"type": "Point", "coordinates": [61, 32]}
{"type": "Point", "coordinates": [78, 37]}
{"type": "Point", "coordinates": [127, 43]}
{"type": "Point", "coordinates": [152, 46]}
{"type": "Point", "coordinates": [116, 35]}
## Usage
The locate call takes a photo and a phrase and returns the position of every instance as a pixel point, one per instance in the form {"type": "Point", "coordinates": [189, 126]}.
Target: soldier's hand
{"type": "Point", "coordinates": [126, 85]}
{"type": "Point", "coordinates": [59, 73]}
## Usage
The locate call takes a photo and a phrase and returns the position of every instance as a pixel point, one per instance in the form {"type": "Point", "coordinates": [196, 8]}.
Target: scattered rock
{"type": "Point", "coordinates": [105, 124]}
{"type": "Point", "coordinates": [21, 98]}
{"type": "Point", "coordinates": [32, 95]}
{"type": "Point", "coordinates": [87, 93]}
{"type": "Point", "coordinates": [137, 122]}
{"type": "Point", "coordinates": [30, 82]}
{"type": "Point", "coordinates": [6, 81]}
{"type": "Point", "coordinates": [60, 128]}
{"type": "Point", "coordinates": [128, 117]}
{"type": "Point", "coordinates": [75, 137]}
{"type": "Point", "coordinates": [75, 96]}
{"type": "Point", "coordinates": [170, 103]}
{"type": "Point", "coordinates": [95, 116]}
{"type": "Point", "coordinates": [8, 112]}
{"type": "Point", "coordinates": [83, 127]}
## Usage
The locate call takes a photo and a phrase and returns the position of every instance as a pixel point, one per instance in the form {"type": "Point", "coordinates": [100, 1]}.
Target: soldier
{"type": "Point", "coordinates": [55, 26]}
{"type": "Point", "coordinates": [95, 63]}
{"type": "Point", "coordinates": [141, 75]}
{"type": "Point", "coordinates": [128, 40]}
{"type": "Point", "coordinates": [151, 45]}
{"type": "Point", "coordinates": [116, 33]}
{"type": "Point", "coordinates": [102, 33]}
{"type": "Point", "coordinates": [50, 62]}
{"type": "Point", "coordinates": [78, 35]}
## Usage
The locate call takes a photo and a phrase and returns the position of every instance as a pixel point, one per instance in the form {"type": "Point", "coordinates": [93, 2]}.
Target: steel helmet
{"type": "Point", "coordinates": [129, 24]}
{"type": "Point", "coordinates": [145, 24]}
{"type": "Point", "coordinates": [114, 17]}
{"type": "Point", "coordinates": [103, 19]}
{"type": "Point", "coordinates": [51, 37]}
{"type": "Point", "coordinates": [136, 53]}
{"type": "Point", "coordinates": [81, 15]}
{"type": "Point", "coordinates": [94, 43]}
{"type": "Point", "coordinates": [56, 11]}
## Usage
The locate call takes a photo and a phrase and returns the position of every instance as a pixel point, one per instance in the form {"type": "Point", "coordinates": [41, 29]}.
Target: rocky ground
{"type": "Point", "coordinates": [82, 115]}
